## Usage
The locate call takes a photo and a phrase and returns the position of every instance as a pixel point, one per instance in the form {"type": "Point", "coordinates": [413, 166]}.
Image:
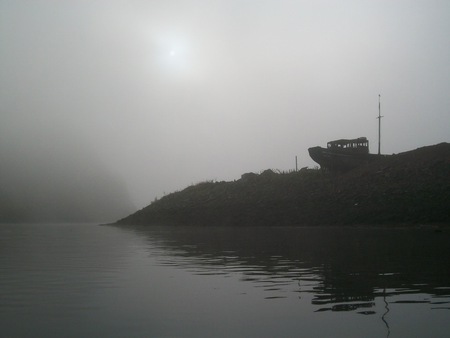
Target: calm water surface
{"type": "Point", "coordinates": [80, 280]}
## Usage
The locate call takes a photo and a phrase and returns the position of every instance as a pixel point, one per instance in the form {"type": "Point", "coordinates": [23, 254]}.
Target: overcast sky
{"type": "Point", "coordinates": [171, 93]}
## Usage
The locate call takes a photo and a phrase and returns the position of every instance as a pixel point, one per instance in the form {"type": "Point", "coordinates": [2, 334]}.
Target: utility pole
{"type": "Point", "coordinates": [379, 124]}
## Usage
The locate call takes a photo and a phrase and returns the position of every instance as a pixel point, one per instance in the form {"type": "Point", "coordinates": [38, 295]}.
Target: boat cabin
{"type": "Point", "coordinates": [358, 145]}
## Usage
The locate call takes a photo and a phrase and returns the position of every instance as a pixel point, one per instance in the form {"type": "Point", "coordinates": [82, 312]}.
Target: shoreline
{"type": "Point", "coordinates": [410, 189]}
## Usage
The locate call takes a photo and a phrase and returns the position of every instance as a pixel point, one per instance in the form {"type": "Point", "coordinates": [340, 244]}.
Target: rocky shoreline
{"type": "Point", "coordinates": [410, 188]}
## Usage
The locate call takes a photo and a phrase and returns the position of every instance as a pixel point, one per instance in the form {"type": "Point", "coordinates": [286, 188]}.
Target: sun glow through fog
{"type": "Point", "coordinates": [172, 57]}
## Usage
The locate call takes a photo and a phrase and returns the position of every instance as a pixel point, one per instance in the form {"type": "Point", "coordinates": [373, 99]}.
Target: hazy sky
{"type": "Point", "coordinates": [170, 93]}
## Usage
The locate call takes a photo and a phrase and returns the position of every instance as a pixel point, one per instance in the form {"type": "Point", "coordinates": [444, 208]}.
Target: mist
{"type": "Point", "coordinates": [52, 178]}
{"type": "Point", "coordinates": [136, 99]}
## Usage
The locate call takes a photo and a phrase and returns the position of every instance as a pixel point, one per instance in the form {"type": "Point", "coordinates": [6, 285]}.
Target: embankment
{"type": "Point", "coordinates": [403, 189]}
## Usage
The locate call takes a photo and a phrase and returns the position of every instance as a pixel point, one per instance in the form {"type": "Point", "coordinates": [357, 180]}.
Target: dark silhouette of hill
{"type": "Point", "coordinates": [408, 188]}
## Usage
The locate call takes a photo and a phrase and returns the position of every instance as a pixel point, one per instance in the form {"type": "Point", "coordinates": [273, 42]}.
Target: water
{"type": "Point", "coordinates": [79, 280]}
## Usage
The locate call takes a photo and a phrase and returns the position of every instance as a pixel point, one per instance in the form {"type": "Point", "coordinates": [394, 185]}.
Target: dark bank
{"type": "Point", "coordinates": [410, 188]}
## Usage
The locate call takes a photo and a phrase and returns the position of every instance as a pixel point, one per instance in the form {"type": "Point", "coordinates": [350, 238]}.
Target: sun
{"type": "Point", "coordinates": [175, 57]}
{"type": "Point", "coordinates": [172, 55]}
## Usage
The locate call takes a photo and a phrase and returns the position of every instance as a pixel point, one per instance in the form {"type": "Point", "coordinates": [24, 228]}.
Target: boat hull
{"type": "Point", "coordinates": [339, 161]}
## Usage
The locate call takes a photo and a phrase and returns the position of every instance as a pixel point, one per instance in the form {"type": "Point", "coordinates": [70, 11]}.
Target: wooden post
{"type": "Point", "coordinates": [296, 163]}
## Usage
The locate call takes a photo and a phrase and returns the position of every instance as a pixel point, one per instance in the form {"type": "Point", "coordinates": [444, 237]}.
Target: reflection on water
{"type": "Point", "coordinates": [342, 269]}
{"type": "Point", "coordinates": [90, 281]}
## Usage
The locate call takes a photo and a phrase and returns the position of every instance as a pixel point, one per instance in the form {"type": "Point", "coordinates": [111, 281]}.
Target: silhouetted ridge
{"type": "Point", "coordinates": [408, 188]}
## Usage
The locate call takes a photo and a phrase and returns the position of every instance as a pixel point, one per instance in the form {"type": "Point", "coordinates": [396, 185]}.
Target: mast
{"type": "Point", "coordinates": [379, 124]}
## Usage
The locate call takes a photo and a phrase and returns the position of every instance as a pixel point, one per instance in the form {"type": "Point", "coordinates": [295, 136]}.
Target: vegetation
{"type": "Point", "coordinates": [408, 188]}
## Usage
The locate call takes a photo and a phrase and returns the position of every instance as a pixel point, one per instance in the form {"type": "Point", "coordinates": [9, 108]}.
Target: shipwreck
{"type": "Point", "coordinates": [343, 154]}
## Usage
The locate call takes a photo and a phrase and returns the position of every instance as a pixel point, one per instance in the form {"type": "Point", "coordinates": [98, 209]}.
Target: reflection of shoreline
{"type": "Point", "coordinates": [343, 269]}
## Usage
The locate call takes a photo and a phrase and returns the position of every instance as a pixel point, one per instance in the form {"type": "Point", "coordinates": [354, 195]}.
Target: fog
{"type": "Point", "coordinates": [159, 95]}
{"type": "Point", "coordinates": [54, 178]}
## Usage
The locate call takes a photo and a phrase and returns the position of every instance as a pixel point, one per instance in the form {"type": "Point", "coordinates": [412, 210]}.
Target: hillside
{"type": "Point", "coordinates": [407, 188]}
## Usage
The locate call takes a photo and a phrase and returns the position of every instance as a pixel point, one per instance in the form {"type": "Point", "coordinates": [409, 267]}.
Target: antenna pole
{"type": "Point", "coordinates": [379, 124]}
